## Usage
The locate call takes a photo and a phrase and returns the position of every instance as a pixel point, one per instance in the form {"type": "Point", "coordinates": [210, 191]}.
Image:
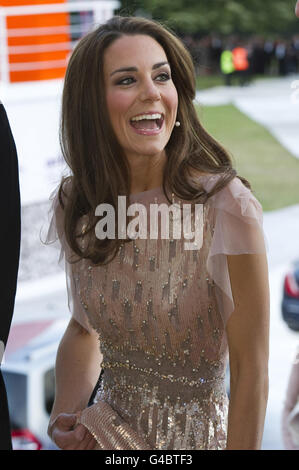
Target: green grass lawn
{"type": "Point", "coordinates": [271, 170]}
{"type": "Point", "coordinates": [208, 81]}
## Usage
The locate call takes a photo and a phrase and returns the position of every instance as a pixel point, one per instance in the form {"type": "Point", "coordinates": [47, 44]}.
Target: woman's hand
{"type": "Point", "coordinates": [68, 436]}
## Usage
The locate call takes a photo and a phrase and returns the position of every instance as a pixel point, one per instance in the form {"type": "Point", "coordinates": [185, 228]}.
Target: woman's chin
{"type": "Point", "coordinates": [148, 151]}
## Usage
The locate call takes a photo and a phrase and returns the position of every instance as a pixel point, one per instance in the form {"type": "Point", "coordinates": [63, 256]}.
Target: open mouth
{"type": "Point", "coordinates": [148, 122]}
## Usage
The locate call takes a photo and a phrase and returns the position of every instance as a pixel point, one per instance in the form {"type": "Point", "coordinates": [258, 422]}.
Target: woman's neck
{"type": "Point", "coordinates": [146, 172]}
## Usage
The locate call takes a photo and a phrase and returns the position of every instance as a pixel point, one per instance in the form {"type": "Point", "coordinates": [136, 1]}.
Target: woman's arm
{"type": "Point", "coordinates": [292, 395]}
{"type": "Point", "coordinates": [78, 427]}
{"type": "Point", "coordinates": [77, 370]}
{"type": "Point", "coordinates": [248, 341]}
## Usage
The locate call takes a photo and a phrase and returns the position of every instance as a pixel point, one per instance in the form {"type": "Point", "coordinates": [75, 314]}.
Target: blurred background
{"type": "Point", "coordinates": [246, 56]}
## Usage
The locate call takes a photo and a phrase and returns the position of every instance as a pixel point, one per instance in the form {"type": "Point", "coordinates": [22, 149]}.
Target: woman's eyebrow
{"type": "Point", "coordinates": [134, 69]}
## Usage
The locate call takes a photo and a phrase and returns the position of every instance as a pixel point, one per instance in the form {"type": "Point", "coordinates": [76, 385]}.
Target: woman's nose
{"type": "Point", "coordinates": [149, 91]}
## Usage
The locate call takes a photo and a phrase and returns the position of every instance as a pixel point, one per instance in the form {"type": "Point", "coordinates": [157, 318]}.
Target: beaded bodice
{"type": "Point", "coordinates": [160, 312]}
{"type": "Point", "coordinates": [155, 310]}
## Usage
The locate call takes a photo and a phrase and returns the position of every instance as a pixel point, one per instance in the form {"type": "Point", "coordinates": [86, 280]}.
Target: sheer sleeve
{"type": "Point", "coordinates": [56, 237]}
{"type": "Point", "coordinates": [237, 229]}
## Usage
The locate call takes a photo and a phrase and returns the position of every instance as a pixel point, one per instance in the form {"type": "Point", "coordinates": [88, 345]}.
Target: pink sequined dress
{"type": "Point", "coordinates": [160, 313]}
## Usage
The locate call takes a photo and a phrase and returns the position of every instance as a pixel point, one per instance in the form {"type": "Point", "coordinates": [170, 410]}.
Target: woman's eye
{"type": "Point", "coordinates": [125, 81]}
{"type": "Point", "coordinates": [165, 76]}
{"type": "Point", "coordinates": [162, 77]}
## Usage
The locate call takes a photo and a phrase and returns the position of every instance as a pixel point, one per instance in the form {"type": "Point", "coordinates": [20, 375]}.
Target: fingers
{"type": "Point", "coordinates": [88, 442]}
{"type": "Point", "coordinates": [92, 444]}
{"type": "Point", "coordinates": [78, 439]}
{"type": "Point", "coordinates": [63, 433]}
{"type": "Point", "coordinates": [82, 437]}
{"type": "Point", "coordinates": [66, 421]}
{"type": "Point", "coordinates": [297, 8]}
{"type": "Point", "coordinates": [68, 435]}
{"type": "Point", "coordinates": [65, 439]}
{"type": "Point", "coordinates": [80, 432]}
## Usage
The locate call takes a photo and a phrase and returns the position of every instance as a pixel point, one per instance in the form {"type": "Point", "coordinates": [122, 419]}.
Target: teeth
{"type": "Point", "coordinates": [147, 116]}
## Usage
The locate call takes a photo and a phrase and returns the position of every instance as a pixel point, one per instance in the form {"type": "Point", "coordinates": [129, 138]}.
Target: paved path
{"type": "Point", "coordinates": [271, 102]}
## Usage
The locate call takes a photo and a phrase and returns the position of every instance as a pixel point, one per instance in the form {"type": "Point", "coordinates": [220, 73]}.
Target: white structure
{"type": "Point", "coordinates": [14, 25]}
{"type": "Point", "coordinates": [32, 78]}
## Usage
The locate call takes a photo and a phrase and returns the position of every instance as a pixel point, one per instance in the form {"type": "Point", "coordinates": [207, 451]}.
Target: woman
{"type": "Point", "coordinates": [163, 317]}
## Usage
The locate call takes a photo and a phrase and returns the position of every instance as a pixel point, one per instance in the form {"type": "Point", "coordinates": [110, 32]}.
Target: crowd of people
{"type": "Point", "coordinates": [274, 57]}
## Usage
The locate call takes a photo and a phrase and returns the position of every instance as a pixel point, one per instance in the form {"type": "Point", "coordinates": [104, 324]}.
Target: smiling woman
{"type": "Point", "coordinates": [164, 317]}
{"type": "Point", "coordinates": [127, 68]}
{"type": "Point", "coordinates": [142, 100]}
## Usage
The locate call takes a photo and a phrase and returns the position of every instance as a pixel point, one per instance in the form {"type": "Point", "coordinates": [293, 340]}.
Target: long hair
{"type": "Point", "coordinates": [99, 169]}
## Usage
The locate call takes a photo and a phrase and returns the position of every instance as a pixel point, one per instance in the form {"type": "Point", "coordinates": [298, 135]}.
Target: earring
{"type": "Point", "coordinates": [177, 123]}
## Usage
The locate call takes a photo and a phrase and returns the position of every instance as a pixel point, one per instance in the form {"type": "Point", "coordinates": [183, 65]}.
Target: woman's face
{"type": "Point", "coordinates": [140, 94]}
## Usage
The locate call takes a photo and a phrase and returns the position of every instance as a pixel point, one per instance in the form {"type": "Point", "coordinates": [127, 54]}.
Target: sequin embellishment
{"type": "Point", "coordinates": [160, 332]}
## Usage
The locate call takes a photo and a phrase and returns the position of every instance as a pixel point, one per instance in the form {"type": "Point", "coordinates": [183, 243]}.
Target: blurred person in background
{"type": "Point", "coordinates": [291, 58]}
{"type": "Point", "coordinates": [241, 63]}
{"type": "Point", "coordinates": [227, 65]}
{"type": "Point", "coordinates": [216, 50]}
{"type": "Point", "coordinates": [295, 44]}
{"type": "Point", "coordinates": [290, 432]}
{"type": "Point", "coordinates": [10, 242]}
{"type": "Point", "coordinates": [297, 8]}
{"type": "Point", "coordinates": [258, 56]}
{"type": "Point", "coordinates": [269, 54]}
{"type": "Point", "coordinates": [281, 56]}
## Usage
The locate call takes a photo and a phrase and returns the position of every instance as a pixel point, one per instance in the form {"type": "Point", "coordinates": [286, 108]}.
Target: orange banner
{"type": "Point", "coordinates": [17, 3]}
{"type": "Point", "coordinates": [19, 34]}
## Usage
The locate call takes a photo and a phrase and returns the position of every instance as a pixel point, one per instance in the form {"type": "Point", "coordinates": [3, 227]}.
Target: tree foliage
{"type": "Point", "coordinates": [222, 16]}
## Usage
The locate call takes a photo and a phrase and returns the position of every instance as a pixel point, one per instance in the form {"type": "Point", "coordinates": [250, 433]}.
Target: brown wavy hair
{"type": "Point", "coordinates": [99, 168]}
